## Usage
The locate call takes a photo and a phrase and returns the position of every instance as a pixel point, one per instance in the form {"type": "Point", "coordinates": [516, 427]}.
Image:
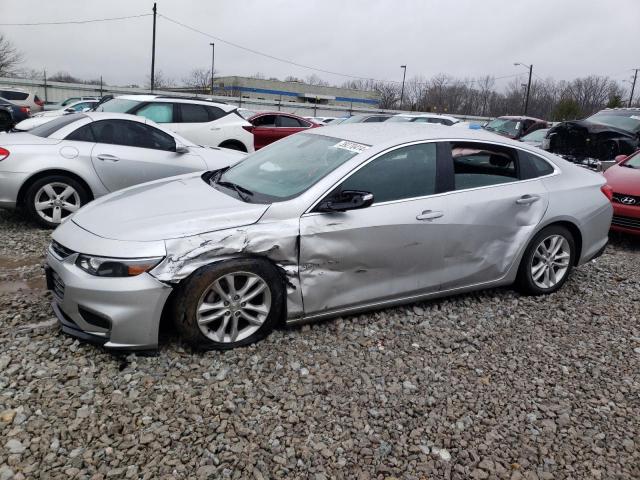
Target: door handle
{"type": "Point", "coordinates": [429, 215]}
{"type": "Point", "coordinates": [105, 157]}
{"type": "Point", "coordinates": [215, 128]}
{"type": "Point", "coordinates": [528, 199]}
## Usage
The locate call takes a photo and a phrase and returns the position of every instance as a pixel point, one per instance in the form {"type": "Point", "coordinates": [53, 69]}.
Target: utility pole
{"type": "Point", "coordinates": [633, 86]}
{"type": "Point", "coordinates": [100, 85]}
{"type": "Point", "coordinates": [153, 48]}
{"type": "Point", "coordinates": [404, 74]}
{"type": "Point", "coordinates": [213, 55]}
{"type": "Point", "coordinates": [526, 100]}
{"type": "Point", "coordinates": [45, 85]}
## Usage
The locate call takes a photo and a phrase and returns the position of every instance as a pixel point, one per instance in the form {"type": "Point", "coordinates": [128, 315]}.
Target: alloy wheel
{"type": "Point", "coordinates": [233, 307]}
{"type": "Point", "coordinates": [550, 261]}
{"type": "Point", "coordinates": [55, 201]}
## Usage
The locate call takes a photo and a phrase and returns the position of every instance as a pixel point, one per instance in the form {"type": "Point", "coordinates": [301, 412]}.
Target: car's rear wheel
{"type": "Point", "coordinates": [547, 262]}
{"type": "Point", "coordinates": [52, 199]}
{"type": "Point", "coordinates": [230, 304]}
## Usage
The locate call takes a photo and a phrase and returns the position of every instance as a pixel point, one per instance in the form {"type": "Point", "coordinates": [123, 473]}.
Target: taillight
{"type": "Point", "coordinates": [39, 102]}
{"type": "Point", "coordinates": [607, 190]}
{"type": "Point", "coordinates": [26, 110]}
{"type": "Point", "coordinates": [248, 128]}
{"type": "Point", "coordinates": [4, 153]}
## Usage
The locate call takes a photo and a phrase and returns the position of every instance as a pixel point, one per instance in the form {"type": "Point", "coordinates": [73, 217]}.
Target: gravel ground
{"type": "Point", "coordinates": [486, 385]}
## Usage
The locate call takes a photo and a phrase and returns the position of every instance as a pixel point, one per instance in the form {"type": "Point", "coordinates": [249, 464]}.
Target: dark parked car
{"type": "Point", "coordinates": [10, 114]}
{"type": "Point", "coordinates": [267, 127]}
{"type": "Point", "coordinates": [515, 126]}
{"type": "Point", "coordinates": [596, 139]}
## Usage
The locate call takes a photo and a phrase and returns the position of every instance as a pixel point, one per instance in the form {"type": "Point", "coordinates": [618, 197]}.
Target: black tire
{"type": "Point", "coordinates": [233, 145]}
{"type": "Point", "coordinates": [6, 121]}
{"type": "Point", "coordinates": [83, 197]}
{"type": "Point", "coordinates": [525, 281]}
{"type": "Point", "coordinates": [193, 288]}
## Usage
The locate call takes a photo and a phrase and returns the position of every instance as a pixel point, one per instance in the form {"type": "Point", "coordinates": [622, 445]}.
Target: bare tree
{"type": "Point", "coordinates": [199, 79]}
{"type": "Point", "coordinates": [64, 77]}
{"type": "Point", "coordinates": [10, 57]}
{"type": "Point", "coordinates": [160, 81]}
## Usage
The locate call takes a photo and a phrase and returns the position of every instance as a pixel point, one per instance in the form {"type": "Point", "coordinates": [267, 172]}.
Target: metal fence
{"type": "Point", "coordinates": [54, 92]}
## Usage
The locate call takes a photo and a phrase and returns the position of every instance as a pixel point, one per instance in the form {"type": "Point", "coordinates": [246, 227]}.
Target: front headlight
{"type": "Point", "coordinates": [116, 267]}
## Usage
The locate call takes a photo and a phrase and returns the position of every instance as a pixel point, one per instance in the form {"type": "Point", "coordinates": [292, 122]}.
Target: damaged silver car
{"type": "Point", "coordinates": [323, 223]}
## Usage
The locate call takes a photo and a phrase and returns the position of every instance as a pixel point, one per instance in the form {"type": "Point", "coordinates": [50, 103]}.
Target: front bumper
{"type": "Point", "coordinates": [119, 313]}
{"type": "Point", "coordinates": [626, 218]}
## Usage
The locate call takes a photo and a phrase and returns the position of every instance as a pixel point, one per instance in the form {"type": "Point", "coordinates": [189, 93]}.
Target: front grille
{"type": "Point", "coordinates": [625, 199]}
{"type": "Point", "coordinates": [627, 222]}
{"type": "Point", "coordinates": [60, 251]}
{"type": "Point", "coordinates": [57, 285]}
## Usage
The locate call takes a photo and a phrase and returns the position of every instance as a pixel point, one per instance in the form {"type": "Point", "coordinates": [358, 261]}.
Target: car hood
{"type": "Point", "coordinates": [624, 179]}
{"type": "Point", "coordinates": [169, 208]}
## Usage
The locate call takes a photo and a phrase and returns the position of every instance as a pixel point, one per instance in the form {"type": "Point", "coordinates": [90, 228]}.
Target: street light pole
{"type": "Point", "coordinates": [404, 74]}
{"type": "Point", "coordinates": [153, 48]}
{"type": "Point", "coordinates": [526, 101]}
{"type": "Point", "coordinates": [213, 54]}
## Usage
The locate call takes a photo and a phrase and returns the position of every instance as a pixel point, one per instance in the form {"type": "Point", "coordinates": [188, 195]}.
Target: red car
{"type": "Point", "coordinates": [267, 127]}
{"type": "Point", "coordinates": [624, 180]}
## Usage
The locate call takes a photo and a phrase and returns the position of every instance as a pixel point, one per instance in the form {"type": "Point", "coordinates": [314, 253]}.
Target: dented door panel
{"type": "Point", "coordinates": [486, 228]}
{"type": "Point", "coordinates": [378, 253]}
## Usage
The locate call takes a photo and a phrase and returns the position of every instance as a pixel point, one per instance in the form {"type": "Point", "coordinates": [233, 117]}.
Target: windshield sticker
{"type": "Point", "coordinates": [351, 146]}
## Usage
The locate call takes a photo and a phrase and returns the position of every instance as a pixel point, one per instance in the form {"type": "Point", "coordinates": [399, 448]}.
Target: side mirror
{"type": "Point", "coordinates": [621, 158]}
{"type": "Point", "coordinates": [69, 110]}
{"type": "Point", "coordinates": [346, 200]}
{"type": "Point", "coordinates": [181, 148]}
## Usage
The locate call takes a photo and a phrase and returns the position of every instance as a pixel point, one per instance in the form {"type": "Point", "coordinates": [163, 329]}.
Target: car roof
{"type": "Point", "coordinates": [95, 116]}
{"type": "Point", "coordinates": [426, 115]}
{"type": "Point", "coordinates": [522, 117]}
{"type": "Point", "coordinates": [390, 134]}
{"type": "Point", "coordinates": [163, 98]}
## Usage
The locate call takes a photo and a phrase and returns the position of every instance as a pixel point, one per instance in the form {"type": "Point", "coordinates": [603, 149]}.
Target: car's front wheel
{"type": "Point", "coordinates": [229, 304]}
{"type": "Point", "coordinates": [547, 262]}
{"type": "Point", "coordinates": [52, 199]}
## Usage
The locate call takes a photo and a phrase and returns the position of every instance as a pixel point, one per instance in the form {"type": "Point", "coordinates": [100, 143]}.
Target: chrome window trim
{"type": "Point", "coordinates": [556, 171]}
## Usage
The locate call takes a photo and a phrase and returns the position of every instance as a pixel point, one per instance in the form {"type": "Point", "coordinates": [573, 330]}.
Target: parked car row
{"type": "Point", "coordinates": [11, 114]}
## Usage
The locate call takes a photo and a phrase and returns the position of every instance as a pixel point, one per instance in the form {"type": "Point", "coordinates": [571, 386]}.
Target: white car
{"type": "Point", "coordinates": [67, 102]}
{"type": "Point", "coordinates": [22, 98]}
{"type": "Point", "coordinates": [424, 118]}
{"type": "Point", "coordinates": [56, 168]}
{"type": "Point", "coordinates": [202, 121]}
{"type": "Point", "coordinates": [44, 117]}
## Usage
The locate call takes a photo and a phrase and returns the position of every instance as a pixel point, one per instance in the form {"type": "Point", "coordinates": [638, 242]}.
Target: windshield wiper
{"type": "Point", "coordinates": [242, 192]}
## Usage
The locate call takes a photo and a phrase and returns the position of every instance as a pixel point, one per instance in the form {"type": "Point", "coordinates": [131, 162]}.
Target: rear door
{"type": "Point", "coordinates": [127, 153]}
{"type": "Point", "coordinates": [287, 125]}
{"type": "Point", "coordinates": [389, 250]}
{"type": "Point", "coordinates": [265, 130]}
{"type": "Point", "coordinates": [490, 214]}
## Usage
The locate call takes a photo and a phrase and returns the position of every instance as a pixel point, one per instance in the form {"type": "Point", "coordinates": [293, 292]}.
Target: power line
{"type": "Point", "coordinates": [74, 22]}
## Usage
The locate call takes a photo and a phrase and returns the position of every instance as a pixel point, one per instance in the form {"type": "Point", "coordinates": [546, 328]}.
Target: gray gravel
{"type": "Point", "coordinates": [486, 385]}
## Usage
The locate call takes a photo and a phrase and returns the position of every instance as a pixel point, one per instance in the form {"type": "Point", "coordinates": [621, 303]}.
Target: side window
{"type": "Point", "coordinates": [265, 121]}
{"type": "Point", "coordinates": [481, 165]}
{"type": "Point", "coordinates": [13, 95]}
{"type": "Point", "coordinates": [132, 134]}
{"type": "Point", "coordinates": [288, 122]}
{"type": "Point", "coordinates": [421, 120]}
{"type": "Point", "coordinates": [193, 113]}
{"type": "Point", "coordinates": [532, 166]}
{"type": "Point", "coordinates": [407, 172]}
{"type": "Point", "coordinates": [215, 113]}
{"type": "Point", "coordinates": [82, 134]}
{"type": "Point", "coordinates": [157, 112]}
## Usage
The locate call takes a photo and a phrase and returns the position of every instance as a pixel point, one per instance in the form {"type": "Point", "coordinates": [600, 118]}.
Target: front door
{"type": "Point", "coordinates": [128, 153]}
{"type": "Point", "coordinates": [389, 250]}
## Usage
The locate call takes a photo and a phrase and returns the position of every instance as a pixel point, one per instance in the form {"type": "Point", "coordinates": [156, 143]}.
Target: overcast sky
{"type": "Point", "coordinates": [369, 38]}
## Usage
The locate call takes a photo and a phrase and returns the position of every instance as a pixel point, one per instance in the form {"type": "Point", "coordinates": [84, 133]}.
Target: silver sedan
{"type": "Point", "coordinates": [323, 223]}
{"type": "Point", "coordinates": [61, 165]}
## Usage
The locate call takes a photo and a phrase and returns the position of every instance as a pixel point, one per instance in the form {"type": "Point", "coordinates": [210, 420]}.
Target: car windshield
{"type": "Point", "coordinates": [47, 129]}
{"type": "Point", "coordinates": [355, 119]}
{"type": "Point", "coordinates": [118, 105]}
{"type": "Point", "coordinates": [536, 136]}
{"type": "Point", "coordinates": [633, 162]}
{"type": "Point", "coordinates": [624, 121]}
{"type": "Point", "coordinates": [504, 125]}
{"type": "Point", "coordinates": [290, 166]}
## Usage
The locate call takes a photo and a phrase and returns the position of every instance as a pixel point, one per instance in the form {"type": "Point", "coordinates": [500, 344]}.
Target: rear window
{"type": "Point", "coordinates": [13, 95]}
{"type": "Point", "coordinates": [47, 129]}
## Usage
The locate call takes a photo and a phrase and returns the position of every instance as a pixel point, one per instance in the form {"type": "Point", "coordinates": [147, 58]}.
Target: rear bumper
{"type": "Point", "coordinates": [10, 183]}
{"type": "Point", "coordinates": [119, 313]}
